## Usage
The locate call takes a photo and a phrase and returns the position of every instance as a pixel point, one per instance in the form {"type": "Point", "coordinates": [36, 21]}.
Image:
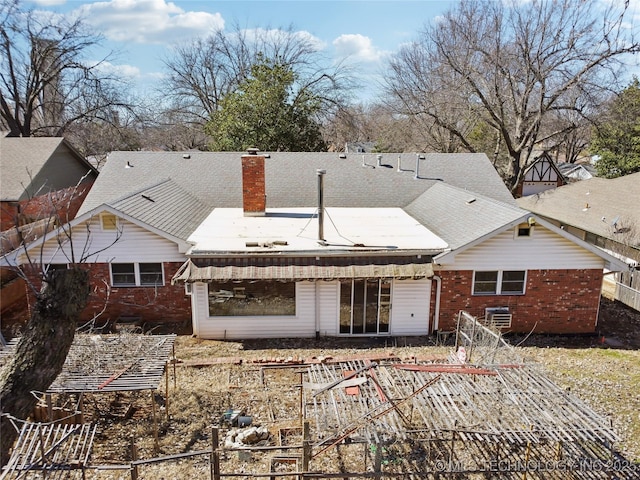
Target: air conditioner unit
{"type": "Point", "coordinates": [498, 317]}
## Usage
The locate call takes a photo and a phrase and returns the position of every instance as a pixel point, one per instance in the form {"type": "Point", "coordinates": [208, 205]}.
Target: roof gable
{"type": "Point", "coordinates": [461, 217]}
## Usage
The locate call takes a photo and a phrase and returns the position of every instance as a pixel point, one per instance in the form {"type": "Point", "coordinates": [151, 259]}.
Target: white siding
{"type": "Point", "coordinates": [135, 244]}
{"type": "Point", "coordinates": [543, 250]}
{"type": "Point", "coordinates": [302, 324]}
{"type": "Point", "coordinates": [410, 307]}
{"type": "Point", "coordinates": [328, 307]}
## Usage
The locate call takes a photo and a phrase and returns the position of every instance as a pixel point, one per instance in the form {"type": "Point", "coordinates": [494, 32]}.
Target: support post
{"type": "Point", "coordinates": [156, 444]}
{"type": "Point", "coordinates": [134, 457]}
{"type": "Point", "coordinates": [214, 461]}
{"type": "Point", "coordinates": [306, 448]}
{"type": "Point", "coordinates": [174, 361]}
{"type": "Point", "coordinates": [49, 407]}
{"type": "Point", "coordinates": [300, 415]}
{"type": "Point", "coordinates": [166, 390]}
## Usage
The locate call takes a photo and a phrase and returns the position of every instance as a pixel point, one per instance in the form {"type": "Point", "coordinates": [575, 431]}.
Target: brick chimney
{"type": "Point", "coordinates": [254, 197]}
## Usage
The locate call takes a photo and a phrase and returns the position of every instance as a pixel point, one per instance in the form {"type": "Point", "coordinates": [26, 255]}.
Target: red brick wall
{"type": "Point", "coordinates": [556, 301]}
{"type": "Point", "coordinates": [167, 304]}
{"type": "Point", "coordinates": [253, 185]}
{"type": "Point", "coordinates": [63, 204]}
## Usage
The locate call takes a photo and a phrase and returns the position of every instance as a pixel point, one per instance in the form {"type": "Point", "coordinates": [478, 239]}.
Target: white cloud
{"type": "Point", "coordinates": [125, 72]}
{"type": "Point", "coordinates": [357, 46]}
{"type": "Point", "coordinates": [48, 3]}
{"type": "Point", "coordinates": [148, 21]}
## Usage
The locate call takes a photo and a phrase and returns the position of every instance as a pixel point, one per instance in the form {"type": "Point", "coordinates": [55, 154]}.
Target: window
{"type": "Point", "coordinates": [136, 274]}
{"type": "Point", "coordinates": [109, 221]}
{"type": "Point", "coordinates": [507, 282]}
{"type": "Point", "coordinates": [252, 298]}
{"type": "Point", "coordinates": [150, 273]}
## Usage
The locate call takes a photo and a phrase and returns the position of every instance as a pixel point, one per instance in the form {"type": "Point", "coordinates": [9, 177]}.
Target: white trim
{"type": "Point", "coordinates": [498, 284]}
{"type": "Point", "coordinates": [136, 273]}
{"type": "Point", "coordinates": [11, 258]}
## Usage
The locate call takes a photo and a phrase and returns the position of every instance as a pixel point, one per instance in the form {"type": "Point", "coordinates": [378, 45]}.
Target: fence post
{"type": "Point", "coordinates": [306, 448]}
{"type": "Point", "coordinates": [214, 461]}
{"type": "Point", "coordinates": [134, 457]}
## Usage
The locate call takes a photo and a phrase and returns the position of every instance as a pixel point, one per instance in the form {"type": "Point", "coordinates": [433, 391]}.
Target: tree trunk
{"type": "Point", "coordinates": [43, 348]}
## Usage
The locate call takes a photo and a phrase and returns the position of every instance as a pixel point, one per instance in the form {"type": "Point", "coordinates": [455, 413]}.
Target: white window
{"type": "Point", "coordinates": [499, 282]}
{"type": "Point", "coordinates": [137, 274]}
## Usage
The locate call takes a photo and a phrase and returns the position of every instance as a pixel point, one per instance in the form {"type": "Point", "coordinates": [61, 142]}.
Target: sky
{"type": "Point", "coordinates": [362, 33]}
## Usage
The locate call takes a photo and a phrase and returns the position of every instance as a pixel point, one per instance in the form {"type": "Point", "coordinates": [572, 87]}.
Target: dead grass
{"type": "Point", "coordinates": [607, 380]}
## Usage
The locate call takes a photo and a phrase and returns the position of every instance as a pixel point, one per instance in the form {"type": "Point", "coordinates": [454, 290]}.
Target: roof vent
{"type": "Point", "coordinates": [186, 155]}
{"type": "Point", "coordinates": [342, 155]}
{"type": "Point", "coordinates": [470, 201]}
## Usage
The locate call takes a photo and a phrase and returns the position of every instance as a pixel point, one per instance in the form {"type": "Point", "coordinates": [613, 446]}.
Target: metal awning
{"type": "Point", "coordinates": [190, 273]}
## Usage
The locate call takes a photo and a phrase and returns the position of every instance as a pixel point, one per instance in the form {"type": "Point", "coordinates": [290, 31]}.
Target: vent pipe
{"type": "Point", "coordinates": [379, 160]}
{"type": "Point", "coordinates": [321, 174]}
{"type": "Point", "coordinates": [399, 160]}
{"type": "Point", "coordinates": [418, 158]}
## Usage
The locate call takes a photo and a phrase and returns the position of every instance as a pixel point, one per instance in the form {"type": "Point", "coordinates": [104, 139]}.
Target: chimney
{"type": "Point", "coordinates": [254, 198]}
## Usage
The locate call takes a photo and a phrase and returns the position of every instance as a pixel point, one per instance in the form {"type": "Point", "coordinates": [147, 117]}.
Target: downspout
{"type": "Point", "coordinates": [436, 310]}
{"type": "Point", "coordinates": [317, 310]}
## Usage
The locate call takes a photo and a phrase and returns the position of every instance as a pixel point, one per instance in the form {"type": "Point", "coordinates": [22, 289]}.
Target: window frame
{"type": "Point", "coordinates": [500, 283]}
{"type": "Point", "coordinates": [107, 227]}
{"type": "Point", "coordinates": [137, 275]}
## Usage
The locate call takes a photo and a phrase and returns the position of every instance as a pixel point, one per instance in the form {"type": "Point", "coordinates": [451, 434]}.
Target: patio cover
{"type": "Point", "coordinates": [190, 273]}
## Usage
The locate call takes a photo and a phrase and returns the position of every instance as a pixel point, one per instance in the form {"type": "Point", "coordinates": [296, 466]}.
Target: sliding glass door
{"type": "Point", "coordinates": [365, 306]}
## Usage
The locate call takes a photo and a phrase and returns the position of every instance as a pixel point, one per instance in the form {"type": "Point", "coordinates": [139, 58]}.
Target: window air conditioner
{"type": "Point", "coordinates": [498, 317]}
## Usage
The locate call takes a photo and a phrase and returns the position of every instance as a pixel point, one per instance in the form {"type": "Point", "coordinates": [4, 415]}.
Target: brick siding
{"type": "Point", "coordinates": [556, 301]}
{"type": "Point", "coordinates": [166, 304]}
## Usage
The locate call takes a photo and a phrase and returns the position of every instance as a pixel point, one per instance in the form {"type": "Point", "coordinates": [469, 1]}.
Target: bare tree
{"type": "Point", "coordinates": [514, 66]}
{"type": "Point", "coordinates": [203, 72]}
{"type": "Point", "coordinates": [60, 296]}
{"type": "Point", "coordinates": [45, 83]}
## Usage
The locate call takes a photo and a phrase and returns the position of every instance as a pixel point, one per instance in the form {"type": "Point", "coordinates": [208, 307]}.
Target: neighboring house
{"type": "Point", "coordinates": [543, 174]}
{"type": "Point", "coordinates": [605, 213]}
{"type": "Point", "coordinates": [39, 179]}
{"type": "Point", "coordinates": [574, 172]}
{"type": "Point", "coordinates": [43, 182]}
{"type": "Point", "coordinates": [306, 244]}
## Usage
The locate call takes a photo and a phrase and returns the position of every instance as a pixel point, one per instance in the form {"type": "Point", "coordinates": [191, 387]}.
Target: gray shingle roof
{"type": "Point", "coordinates": [166, 207]}
{"type": "Point", "coordinates": [458, 216]}
{"type": "Point", "coordinates": [215, 177]}
{"type": "Point", "coordinates": [584, 204]}
{"type": "Point", "coordinates": [22, 161]}
{"type": "Point", "coordinates": [214, 180]}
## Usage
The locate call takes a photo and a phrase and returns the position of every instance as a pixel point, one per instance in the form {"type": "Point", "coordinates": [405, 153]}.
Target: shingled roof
{"type": "Point", "coordinates": [596, 205]}
{"type": "Point", "coordinates": [352, 180]}
{"type": "Point", "coordinates": [35, 165]}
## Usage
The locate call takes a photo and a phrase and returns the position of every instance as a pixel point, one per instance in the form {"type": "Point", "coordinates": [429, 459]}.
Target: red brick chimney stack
{"type": "Point", "coordinates": [254, 196]}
